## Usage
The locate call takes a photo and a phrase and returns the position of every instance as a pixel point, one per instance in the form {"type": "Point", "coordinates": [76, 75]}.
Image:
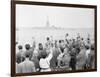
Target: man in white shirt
{"type": "Point", "coordinates": [27, 66]}
{"type": "Point", "coordinates": [45, 61]}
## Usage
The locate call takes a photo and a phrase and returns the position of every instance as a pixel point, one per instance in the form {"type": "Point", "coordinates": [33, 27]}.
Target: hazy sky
{"type": "Point", "coordinates": [65, 17]}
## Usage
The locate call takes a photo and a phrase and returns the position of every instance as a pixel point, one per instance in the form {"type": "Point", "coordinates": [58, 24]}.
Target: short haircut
{"type": "Point", "coordinates": [40, 44]}
{"type": "Point", "coordinates": [20, 47]}
{"type": "Point", "coordinates": [18, 59]}
{"type": "Point", "coordinates": [59, 41]}
{"type": "Point", "coordinates": [82, 38]}
{"type": "Point", "coordinates": [67, 34]}
{"type": "Point", "coordinates": [48, 38]}
{"type": "Point", "coordinates": [27, 46]}
{"type": "Point", "coordinates": [87, 47]}
{"type": "Point", "coordinates": [74, 46]}
{"type": "Point", "coordinates": [92, 47]}
{"type": "Point", "coordinates": [27, 54]}
{"type": "Point", "coordinates": [88, 38]}
{"type": "Point", "coordinates": [43, 54]}
{"type": "Point", "coordinates": [62, 40]}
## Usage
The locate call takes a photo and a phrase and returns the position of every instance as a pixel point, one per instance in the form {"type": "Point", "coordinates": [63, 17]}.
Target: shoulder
{"type": "Point", "coordinates": [21, 64]}
{"type": "Point", "coordinates": [60, 56]}
{"type": "Point", "coordinates": [30, 63]}
{"type": "Point", "coordinates": [41, 60]}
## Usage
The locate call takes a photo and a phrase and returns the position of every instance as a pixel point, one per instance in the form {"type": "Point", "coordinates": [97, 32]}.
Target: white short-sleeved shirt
{"type": "Point", "coordinates": [88, 52]}
{"type": "Point", "coordinates": [17, 68]}
{"type": "Point", "coordinates": [45, 62]}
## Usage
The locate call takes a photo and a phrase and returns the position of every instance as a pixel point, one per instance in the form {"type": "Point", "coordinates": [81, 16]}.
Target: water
{"type": "Point", "coordinates": [24, 35]}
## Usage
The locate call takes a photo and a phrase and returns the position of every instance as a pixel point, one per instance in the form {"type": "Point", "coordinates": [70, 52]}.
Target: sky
{"type": "Point", "coordinates": [64, 17]}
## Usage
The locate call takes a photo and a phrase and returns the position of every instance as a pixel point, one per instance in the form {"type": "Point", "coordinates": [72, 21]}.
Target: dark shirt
{"type": "Point", "coordinates": [53, 62]}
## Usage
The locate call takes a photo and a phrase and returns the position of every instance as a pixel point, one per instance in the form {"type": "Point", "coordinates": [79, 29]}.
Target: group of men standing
{"type": "Point", "coordinates": [56, 55]}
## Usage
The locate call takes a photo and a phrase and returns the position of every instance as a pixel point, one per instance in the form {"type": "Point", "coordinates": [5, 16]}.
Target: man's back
{"type": "Point", "coordinates": [21, 55]}
{"type": "Point", "coordinates": [27, 66]}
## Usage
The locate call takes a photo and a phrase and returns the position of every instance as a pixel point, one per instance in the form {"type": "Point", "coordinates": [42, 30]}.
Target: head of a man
{"type": "Point", "coordinates": [20, 47]}
{"type": "Point", "coordinates": [82, 38]}
{"type": "Point", "coordinates": [27, 54]}
{"type": "Point", "coordinates": [16, 42]}
{"type": "Point", "coordinates": [60, 41]}
{"type": "Point", "coordinates": [87, 47]}
{"type": "Point", "coordinates": [92, 47]}
{"type": "Point", "coordinates": [73, 48]}
{"type": "Point", "coordinates": [44, 54]}
{"type": "Point", "coordinates": [48, 39]}
{"type": "Point", "coordinates": [27, 46]}
{"type": "Point", "coordinates": [67, 34]}
{"type": "Point", "coordinates": [40, 46]}
{"type": "Point", "coordinates": [19, 58]}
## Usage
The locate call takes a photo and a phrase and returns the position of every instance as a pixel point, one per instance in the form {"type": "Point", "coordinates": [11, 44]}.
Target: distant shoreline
{"type": "Point", "coordinates": [53, 28]}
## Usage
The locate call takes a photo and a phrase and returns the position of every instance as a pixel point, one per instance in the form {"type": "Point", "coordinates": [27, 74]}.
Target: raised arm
{"type": "Point", "coordinates": [34, 43]}
{"type": "Point", "coordinates": [50, 55]}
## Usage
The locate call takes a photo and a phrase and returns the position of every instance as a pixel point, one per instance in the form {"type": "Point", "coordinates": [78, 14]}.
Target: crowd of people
{"type": "Point", "coordinates": [56, 55]}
